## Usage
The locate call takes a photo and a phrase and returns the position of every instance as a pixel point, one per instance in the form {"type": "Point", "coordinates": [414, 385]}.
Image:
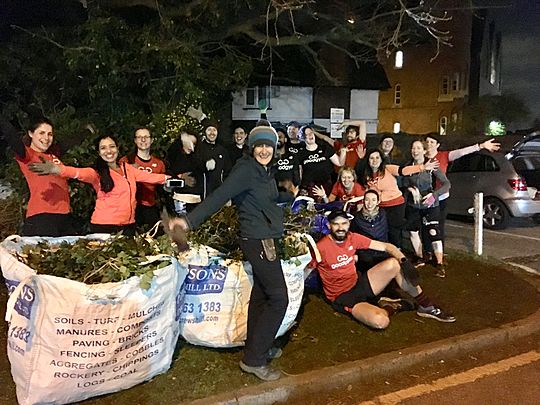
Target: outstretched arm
{"type": "Point", "coordinates": [489, 145]}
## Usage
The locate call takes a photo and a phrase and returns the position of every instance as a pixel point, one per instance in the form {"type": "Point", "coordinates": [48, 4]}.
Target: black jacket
{"type": "Point", "coordinates": [254, 192]}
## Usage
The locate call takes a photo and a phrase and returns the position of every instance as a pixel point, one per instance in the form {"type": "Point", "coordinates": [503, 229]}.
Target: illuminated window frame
{"type": "Point", "coordinates": [398, 60]}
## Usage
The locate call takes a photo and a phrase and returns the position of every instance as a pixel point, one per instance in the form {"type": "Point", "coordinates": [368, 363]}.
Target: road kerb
{"type": "Point", "coordinates": [353, 372]}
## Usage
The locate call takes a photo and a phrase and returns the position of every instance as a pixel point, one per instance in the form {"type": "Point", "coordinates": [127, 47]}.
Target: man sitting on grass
{"type": "Point", "coordinates": [353, 293]}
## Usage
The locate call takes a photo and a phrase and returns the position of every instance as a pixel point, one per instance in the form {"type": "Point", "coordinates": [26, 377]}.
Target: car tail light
{"type": "Point", "coordinates": [518, 184]}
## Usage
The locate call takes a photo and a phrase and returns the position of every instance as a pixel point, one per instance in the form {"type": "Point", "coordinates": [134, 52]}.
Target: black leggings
{"type": "Point", "coordinates": [396, 220]}
{"type": "Point", "coordinates": [128, 230]}
{"type": "Point", "coordinates": [267, 304]}
{"type": "Point", "coordinates": [49, 225]}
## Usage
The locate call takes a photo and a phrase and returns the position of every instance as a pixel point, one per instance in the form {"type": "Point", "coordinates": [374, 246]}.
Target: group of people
{"type": "Point", "coordinates": [359, 256]}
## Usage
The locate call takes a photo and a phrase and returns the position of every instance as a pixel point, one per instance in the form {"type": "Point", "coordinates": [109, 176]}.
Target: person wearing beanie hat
{"type": "Point", "coordinates": [252, 188]}
{"type": "Point", "coordinates": [262, 135]}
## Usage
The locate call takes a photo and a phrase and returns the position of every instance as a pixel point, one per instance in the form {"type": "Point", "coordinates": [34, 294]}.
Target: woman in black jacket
{"type": "Point", "coordinates": [253, 190]}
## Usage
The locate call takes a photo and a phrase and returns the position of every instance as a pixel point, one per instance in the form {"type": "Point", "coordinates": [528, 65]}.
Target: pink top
{"type": "Point", "coordinates": [387, 186]}
{"type": "Point", "coordinates": [117, 207]}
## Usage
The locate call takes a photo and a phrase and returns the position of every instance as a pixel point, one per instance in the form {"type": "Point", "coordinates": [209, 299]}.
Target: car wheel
{"type": "Point", "coordinates": [536, 218]}
{"type": "Point", "coordinates": [496, 215]}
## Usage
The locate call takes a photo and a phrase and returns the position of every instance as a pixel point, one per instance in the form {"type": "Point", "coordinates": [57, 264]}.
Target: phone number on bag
{"type": "Point", "coordinates": [208, 306]}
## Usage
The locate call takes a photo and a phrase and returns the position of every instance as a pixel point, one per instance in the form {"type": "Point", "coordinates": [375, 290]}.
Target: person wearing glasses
{"type": "Point", "coordinates": [147, 211]}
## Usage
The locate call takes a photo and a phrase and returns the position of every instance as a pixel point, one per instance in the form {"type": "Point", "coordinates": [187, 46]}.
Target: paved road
{"type": "Point", "coordinates": [509, 381]}
{"type": "Point", "coordinates": [518, 244]}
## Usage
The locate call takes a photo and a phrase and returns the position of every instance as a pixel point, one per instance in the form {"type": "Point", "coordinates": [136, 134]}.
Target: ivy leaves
{"type": "Point", "coordinates": [92, 262]}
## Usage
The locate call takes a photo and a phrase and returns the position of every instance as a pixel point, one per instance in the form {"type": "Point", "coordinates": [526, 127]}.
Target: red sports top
{"type": "Point", "coordinates": [339, 191]}
{"type": "Point", "coordinates": [351, 157]}
{"type": "Point", "coordinates": [337, 266]}
{"type": "Point", "coordinates": [117, 207]}
{"type": "Point", "coordinates": [146, 193]}
{"type": "Point", "coordinates": [49, 194]}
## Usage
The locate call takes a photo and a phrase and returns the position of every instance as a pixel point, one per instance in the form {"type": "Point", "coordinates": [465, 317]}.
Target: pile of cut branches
{"type": "Point", "coordinates": [221, 232]}
{"type": "Point", "coordinates": [120, 257]}
{"type": "Point", "coordinates": [96, 261]}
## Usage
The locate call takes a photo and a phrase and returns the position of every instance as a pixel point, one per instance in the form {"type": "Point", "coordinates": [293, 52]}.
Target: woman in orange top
{"type": "Point", "coordinates": [381, 177]}
{"type": "Point", "coordinates": [48, 211]}
{"type": "Point", "coordinates": [115, 185]}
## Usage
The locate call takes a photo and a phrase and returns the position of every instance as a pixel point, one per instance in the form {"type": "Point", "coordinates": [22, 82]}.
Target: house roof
{"type": "Point", "coordinates": [292, 67]}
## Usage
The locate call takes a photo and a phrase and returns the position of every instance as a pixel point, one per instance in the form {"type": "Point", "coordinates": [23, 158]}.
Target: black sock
{"type": "Point", "coordinates": [423, 300]}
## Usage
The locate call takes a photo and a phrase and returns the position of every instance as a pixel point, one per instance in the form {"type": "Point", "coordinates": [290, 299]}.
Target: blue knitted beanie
{"type": "Point", "coordinates": [262, 135]}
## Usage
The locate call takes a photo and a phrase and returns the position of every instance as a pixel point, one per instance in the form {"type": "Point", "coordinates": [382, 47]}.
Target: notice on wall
{"type": "Point", "coordinates": [337, 115]}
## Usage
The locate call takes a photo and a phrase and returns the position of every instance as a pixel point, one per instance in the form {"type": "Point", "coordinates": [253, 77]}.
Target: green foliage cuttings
{"type": "Point", "coordinates": [120, 257]}
{"type": "Point", "coordinates": [92, 261]}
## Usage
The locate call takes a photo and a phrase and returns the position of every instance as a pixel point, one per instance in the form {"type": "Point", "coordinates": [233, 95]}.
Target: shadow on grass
{"type": "Point", "coordinates": [480, 294]}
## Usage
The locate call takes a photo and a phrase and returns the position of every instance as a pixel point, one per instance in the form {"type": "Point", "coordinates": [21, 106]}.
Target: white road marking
{"type": "Point", "coordinates": [495, 232]}
{"type": "Point", "coordinates": [454, 380]}
{"type": "Point", "coordinates": [523, 267]}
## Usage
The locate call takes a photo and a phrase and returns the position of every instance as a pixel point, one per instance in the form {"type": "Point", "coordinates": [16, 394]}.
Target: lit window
{"type": "Point", "coordinates": [443, 124]}
{"type": "Point", "coordinates": [397, 127]}
{"type": "Point", "coordinates": [445, 85]}
{"type": "Point", "coordinates": [398, 63]}
{"type": "Point", "coordinates": [397, 94]}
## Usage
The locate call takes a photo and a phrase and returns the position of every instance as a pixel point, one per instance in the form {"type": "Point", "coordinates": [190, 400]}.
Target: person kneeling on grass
{"type": "Point", "coordinates": [354, 293]}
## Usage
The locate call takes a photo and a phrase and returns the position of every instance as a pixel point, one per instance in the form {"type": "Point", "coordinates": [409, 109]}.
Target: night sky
{"type": "Point", "coordinates": [520, 27]}
{"type": "Point", "coordinates": [518, 20]}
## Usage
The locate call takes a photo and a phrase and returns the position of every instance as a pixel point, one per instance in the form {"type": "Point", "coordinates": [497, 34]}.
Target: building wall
{"type": "Point", "coordinates": [288, 104]}
{"type": "Point", "coordinates": [306, 105]}
{"type": "Point", "coordinates": [422, 99]}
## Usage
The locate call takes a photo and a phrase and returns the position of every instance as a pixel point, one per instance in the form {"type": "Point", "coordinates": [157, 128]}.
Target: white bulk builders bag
{"type": "Point", "coordinates": [215, 295]}
{"type": "Point", "coordinates": [68, 341]}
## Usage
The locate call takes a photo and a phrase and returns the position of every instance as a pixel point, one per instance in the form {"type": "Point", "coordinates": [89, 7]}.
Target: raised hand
{"type": "Point", "coordinates": [361, 150]}
{"type": "Point", "coordinates": [490, 145]}
{"type": "Point", "coordinates": [319, 191]}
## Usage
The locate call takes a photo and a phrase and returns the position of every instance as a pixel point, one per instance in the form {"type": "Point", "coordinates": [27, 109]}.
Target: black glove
{"type": "Point", "coordinates": [409, 272]}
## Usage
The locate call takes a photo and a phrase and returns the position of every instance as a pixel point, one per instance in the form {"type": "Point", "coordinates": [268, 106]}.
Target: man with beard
{"type": "Point", "coordinates": [215, 157]}
{"type": "Point", "coordinates": [352, 147]}
{"type": "Point", "coordinates": [355, 293]}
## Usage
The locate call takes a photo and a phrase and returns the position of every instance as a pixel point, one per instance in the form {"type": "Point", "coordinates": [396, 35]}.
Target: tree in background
{"type": "Point", "coordinates": [127, 63]}
{"type": "Point", "coordinates": [507, 109]}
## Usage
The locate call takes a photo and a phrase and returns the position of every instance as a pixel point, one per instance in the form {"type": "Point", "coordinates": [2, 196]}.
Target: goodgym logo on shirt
{"type": "Point", "coordinates": [343, 260]}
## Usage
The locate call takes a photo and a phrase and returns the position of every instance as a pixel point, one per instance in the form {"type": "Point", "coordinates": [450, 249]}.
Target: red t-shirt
{"type": "Point", "coordinates": [49, 194]}
{"type": "Point", "coordinates": [339, 191]}
{"type": "Point", "coordinates": [146, 193]}
{"type": "Point", "coordinates": [351, 157]}
{"type": "Point", "coordinates": [443, 158]}
{"type": "Point", "coordinates": [337, 266]}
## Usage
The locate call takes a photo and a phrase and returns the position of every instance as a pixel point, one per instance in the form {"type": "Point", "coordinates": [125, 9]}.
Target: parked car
{"type": "Point", "coordinates": [510, 183]}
